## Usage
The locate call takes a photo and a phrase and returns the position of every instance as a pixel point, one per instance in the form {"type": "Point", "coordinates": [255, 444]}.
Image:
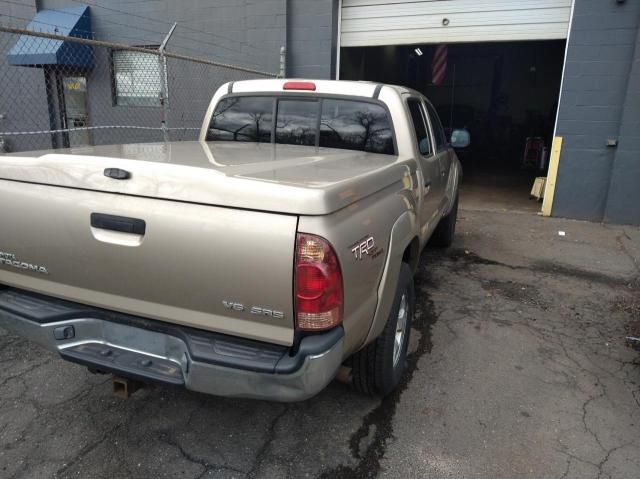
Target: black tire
{"type": "Point", "coordinates": [374, 371]}
{"type": "Point", "coordinates": [443, 235]}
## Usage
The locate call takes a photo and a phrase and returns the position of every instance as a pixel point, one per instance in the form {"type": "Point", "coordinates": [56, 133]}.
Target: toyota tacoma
{"type": "Point", "coordinates": [254, 262]}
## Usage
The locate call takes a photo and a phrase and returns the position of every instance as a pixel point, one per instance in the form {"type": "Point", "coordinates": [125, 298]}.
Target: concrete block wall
{"type": "Point", "coordinates": [312, 32]}
{"type": "Point", "coordinates": [248, 33]}
{"type": "Point", "coordinates": [623, 202]}
{"type": "Point", "coordinates": [597, 103]}
{"type": "Point", "coordinates": [23, 97]}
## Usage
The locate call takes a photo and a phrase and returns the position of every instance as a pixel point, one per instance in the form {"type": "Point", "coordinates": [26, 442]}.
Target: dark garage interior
{"type": "Point", "coordinates": [504, 93]}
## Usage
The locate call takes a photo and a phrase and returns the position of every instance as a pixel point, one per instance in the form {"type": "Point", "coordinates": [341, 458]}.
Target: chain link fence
{"type": "Point", "coordinates": [60, 91]}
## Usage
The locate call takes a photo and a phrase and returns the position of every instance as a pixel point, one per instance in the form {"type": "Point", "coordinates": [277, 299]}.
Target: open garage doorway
{"type": "Point", "coordinates": [504, 93]}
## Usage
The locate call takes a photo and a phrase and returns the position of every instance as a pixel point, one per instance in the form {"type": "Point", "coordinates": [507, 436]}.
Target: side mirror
{"type": "Point", "coordinates": [460, 138]}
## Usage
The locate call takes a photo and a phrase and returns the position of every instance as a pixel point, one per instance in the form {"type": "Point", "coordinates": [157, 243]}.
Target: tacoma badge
{"type": "Point", "coordinates": [9, 259]}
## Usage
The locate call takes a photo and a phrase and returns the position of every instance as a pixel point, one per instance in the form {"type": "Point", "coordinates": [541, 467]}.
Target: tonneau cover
{"type": "Point", "coordinates": [267, 177]}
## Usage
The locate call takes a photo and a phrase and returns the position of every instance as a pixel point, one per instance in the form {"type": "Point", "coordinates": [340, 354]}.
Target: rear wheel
{"type": "Point", "coordinates": [378, 368]}
{"type": "Point", "coordinates": [443, 235]}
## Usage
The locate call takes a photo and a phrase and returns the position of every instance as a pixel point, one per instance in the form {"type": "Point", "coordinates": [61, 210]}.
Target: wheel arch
{"type": "Point", "coordinates": [404, 246]}
{"type": "Point", "coordinates": [453, 184]}
{"type": "Point", "coordinates": [411, 254]}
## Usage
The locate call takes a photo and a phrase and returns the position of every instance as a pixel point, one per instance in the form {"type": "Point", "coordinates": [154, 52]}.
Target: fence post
{"type": "Point", "coordinates": [164, 88]}
{"type": "Point", "coordinates": [283, 62]}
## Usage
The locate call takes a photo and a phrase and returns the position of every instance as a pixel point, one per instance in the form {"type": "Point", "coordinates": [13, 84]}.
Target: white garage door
{"type": "Point", "coordinates": [393, 22]}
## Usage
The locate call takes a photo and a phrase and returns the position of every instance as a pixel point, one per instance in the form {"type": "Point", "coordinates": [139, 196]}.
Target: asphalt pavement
{"type": "Point", "coordinates": [519, 368]}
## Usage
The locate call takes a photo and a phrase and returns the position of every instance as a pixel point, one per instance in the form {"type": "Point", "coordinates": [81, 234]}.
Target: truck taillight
{"type": "Point", "coordinates": [318, 284]}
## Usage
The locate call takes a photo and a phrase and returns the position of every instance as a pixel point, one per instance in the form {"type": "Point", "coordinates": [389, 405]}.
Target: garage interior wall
{"type": "Point", "coordinates": [600, 101]}
{"type": "Point", "coordinates": [502, 92]}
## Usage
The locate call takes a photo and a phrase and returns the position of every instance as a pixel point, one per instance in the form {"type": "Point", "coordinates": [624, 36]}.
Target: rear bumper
{"type": "Point", "coordinates": [152, 351]}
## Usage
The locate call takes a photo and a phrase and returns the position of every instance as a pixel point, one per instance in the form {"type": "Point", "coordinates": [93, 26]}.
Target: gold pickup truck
{"type": "Point", "coordinates": [254, 262]}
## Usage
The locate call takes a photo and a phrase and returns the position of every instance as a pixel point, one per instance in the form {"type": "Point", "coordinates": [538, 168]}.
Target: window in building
{"type": "Point", "coordinates": [136, 78]}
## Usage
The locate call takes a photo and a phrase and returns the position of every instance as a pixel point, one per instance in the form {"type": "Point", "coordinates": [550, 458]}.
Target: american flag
{"type": "Point", "coordinates": [439, 65]}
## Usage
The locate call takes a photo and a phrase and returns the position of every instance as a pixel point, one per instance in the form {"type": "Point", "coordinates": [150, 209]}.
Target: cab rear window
{"type": "Point", "coordinates": [242, 119]}
{"type": "Point", "coordinates": [326, 122]}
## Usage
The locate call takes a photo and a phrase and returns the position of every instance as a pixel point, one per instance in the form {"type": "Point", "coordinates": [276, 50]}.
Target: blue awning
{"type": "Point", "coordinates": [73, 21]}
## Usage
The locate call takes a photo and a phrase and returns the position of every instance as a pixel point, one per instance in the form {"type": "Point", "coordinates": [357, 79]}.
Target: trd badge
{"type": "Point", "coordinates": [366, 247]}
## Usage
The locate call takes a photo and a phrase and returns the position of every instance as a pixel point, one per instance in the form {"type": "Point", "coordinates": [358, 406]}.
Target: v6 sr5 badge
{"type": "Point", "coordinates": [366, 246]}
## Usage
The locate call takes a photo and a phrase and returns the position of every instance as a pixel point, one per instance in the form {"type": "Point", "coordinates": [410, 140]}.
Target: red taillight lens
{"type": "Point", "coordinates": [318, 284]}
{"type": "Point", "coordinates": [299, 85]}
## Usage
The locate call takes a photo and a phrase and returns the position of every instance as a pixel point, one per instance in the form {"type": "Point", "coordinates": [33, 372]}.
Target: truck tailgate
{"type": "Point", "coordinates": [196, 265]}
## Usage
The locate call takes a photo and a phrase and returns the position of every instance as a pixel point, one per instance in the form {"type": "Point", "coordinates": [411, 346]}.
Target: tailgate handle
{"type": "Point", "coordinates": [118, 223]}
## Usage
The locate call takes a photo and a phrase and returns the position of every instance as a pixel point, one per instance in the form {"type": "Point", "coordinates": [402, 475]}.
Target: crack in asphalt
{"type": "Point", "coordinates": [271, 435]}
{"type": "Point", "coordinates": [169, 438]}
{"type": "Point", "coordinates": [608, 456]}
{"type": "Point", "coordinates": [381, 417]}
{"type": "Point", "coordinates": [40, 410]}
{"type": "Point", "coordinates": [624, 249]}
{"type": "Point", "coordinates": [85, 451]}
{"type": "Point", "coordinates": [207, 466]}
{"type": "Point", "coordinates": [585, 405]}
{"type": "Point", "coordinates": [82, 393]}
{"type": "Point", "coordinates": [23, 372]}
{"type": "Point", "coordinates": [570, 459]}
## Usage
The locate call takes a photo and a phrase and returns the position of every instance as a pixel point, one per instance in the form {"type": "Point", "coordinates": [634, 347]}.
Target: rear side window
{"type": "Point", "coordinates": [242, 119]}
{"type": "Point", "coordinates": [438, 131]}
{"type": "Point", "coordinates": [422, 135]}
{"type": "Point", "coordinates": [354, 125]}
{"type": "Point", "coordinates": [327, 122]}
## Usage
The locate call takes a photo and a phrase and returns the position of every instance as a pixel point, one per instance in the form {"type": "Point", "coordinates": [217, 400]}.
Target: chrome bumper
{"type": "Point", "coordinates": [156, 356]}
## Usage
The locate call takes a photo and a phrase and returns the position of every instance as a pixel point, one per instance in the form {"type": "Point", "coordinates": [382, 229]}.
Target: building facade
{"type": "Point", "coordinates": [519, 73]}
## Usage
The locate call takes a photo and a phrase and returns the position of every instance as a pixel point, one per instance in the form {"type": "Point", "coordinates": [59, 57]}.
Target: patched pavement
{"type": "Point", "coordinates": [519, 368]}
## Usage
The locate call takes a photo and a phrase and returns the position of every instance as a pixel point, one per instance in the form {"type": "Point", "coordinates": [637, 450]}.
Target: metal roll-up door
{"type": "Point", "coordinates": [396, 22]}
